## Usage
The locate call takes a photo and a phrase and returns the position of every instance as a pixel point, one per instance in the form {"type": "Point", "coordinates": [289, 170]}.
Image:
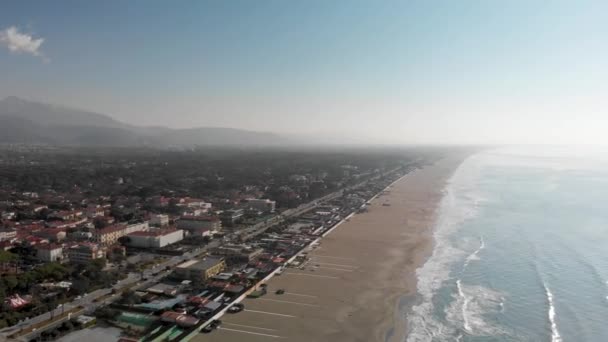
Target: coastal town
{"type": "Point", "coordinates": [164, 266]}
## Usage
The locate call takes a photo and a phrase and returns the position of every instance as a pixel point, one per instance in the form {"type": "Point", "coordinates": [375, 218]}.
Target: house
{"type": "Point", "coordinates": [49, 252]}
{"type": "Point", "coordinates": [7, 234]}
{"type": "Point", "coordinates": [51, 234]}
{"type": "Point", "coordinates": [8, 215]}
{"type": "Point", "coordinates": [66, 215]}
{"type": "Point", "coordinates": [86, 252]}
{"type": "Point", "coordinates": [200, 270]}
{"type": "Point", "coordinates": [194, 203]}
{"type": "Point", "coordinates": [95, 210]}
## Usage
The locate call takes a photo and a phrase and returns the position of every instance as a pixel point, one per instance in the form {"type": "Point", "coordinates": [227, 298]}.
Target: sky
{"type": "Point", "coordinates": [394, 72]}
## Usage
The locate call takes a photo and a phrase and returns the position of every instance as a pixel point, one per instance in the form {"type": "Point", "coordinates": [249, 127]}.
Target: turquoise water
{"type": "Point", "coordinates": [521, 251]}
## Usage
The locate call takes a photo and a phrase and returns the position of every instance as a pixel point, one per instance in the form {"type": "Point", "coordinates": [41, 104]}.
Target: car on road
{"type": "Point", "coordinates": [280, 291]}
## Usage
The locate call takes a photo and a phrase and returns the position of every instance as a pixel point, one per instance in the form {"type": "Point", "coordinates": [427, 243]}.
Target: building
{"type": "Point", "coordinates": [194, 203]}
{"type": "Point", "coordinates": [231, 216]}
{"type": "Point", "coordinates": [199, 225]}
{"type": "Point", "coordinates": [86, 252]}
{"type": "Point", "coordinates": [49, 252]}
{"type": "Point", "coordinates": [159, 220]}
{"type": "Point", "coordinates": [66, 215]}
{"type": "Point", "coordinates": [95, 210]}
{"type": "Point", "coordinates": [155, 238]}
{"type": "Point", "coordinates": [263, 205]}
{"type": "Point", "coordinates": [51, 234]}
{"type": "Point", "coordinates": [200, 270]}
{"type": "Point", "coordinates": [7, 234]}
{"type": "Point", "coordinates": [179, 319]}
{"type": "Point", "coordinates": [237, 252]}
{"type": "Point", "coordinates": [110, 235]}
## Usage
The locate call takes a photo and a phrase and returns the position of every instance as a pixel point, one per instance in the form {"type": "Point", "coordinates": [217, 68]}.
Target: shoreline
{"type": "Point", "coordinates": [396, 326]}
{"type": "Point", "coordinates": [361, 279]}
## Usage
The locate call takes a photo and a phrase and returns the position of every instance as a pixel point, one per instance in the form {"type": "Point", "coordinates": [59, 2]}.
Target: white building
{"type": "Point", "coordinates": [49, 252]}
{"type": "Point", "coordinates": [7, 234]}
{"type": "Point", "coordinates": [86, 252]}
{"type": "Point", "coordinates": [110, 235]}
{"type": "Point", "coordinates": [159, 220]}
{"type": "Point", "coordinates": [155, 238]}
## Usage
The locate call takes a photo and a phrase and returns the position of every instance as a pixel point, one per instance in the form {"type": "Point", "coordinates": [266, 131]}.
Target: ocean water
{"type": "Point", "coordinates": [521, 250]}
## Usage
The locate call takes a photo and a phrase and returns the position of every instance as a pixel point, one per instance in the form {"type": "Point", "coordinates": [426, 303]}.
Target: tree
{"type": "Point", "coordinates": [130, 298]}
{"type": "Point", "coordinates": [105, 312]}
{"type": "Point", "coordinates": [81, 285]}
{"type": "Point", "coordinates": [10, 282]}
{"type": "Point", "coordinates": [124, 240]}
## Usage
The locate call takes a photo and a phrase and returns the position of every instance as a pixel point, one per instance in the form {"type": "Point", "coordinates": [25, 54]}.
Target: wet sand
{"type": "Point", "coordinates": [352, 286]}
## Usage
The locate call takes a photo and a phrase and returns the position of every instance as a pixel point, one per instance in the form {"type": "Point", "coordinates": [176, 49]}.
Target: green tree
{"type": "Point", "coordinates": [10, 282]}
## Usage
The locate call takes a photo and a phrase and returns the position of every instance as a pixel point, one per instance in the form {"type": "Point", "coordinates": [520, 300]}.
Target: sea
{"type": "Point", "coordinates": [521, 250]}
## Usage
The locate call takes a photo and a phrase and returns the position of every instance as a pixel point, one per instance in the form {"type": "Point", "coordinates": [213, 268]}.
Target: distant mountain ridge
{"type": "Point", "coordinates": [24, 121]}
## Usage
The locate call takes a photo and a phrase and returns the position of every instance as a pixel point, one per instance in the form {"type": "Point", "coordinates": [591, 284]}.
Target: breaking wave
{"type": "Point", "coordinates": [555, 336]}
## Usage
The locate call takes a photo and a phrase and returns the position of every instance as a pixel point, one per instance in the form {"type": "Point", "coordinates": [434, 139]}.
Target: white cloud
{"type": "Point", "coordinates": [18, 42]}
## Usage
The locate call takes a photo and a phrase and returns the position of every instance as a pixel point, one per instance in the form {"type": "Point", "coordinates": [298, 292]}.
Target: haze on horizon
{"type": "Point", "coordinates": [524, 72]}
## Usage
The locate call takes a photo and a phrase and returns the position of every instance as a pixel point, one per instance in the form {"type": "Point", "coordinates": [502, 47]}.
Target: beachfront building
{"type": "Point", "coordinates": [199, 225]}
{"type": "Point", "coordinates": [86, 252]}
{"type": "Point", "coordinates": [155, 238]}
{"type": "Point", "coordinates": [200, 270]}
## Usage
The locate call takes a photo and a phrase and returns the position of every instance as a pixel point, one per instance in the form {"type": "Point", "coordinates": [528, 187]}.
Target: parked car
{"type": "Point", "coordinates": [236, 308]}
{"type": "Point", "coordinates": [211, 326]}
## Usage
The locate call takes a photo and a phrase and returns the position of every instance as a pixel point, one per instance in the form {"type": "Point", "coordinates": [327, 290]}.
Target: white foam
{"type": "Point", "coordinates": [471, 305]}
{"type": "Point", "coordinates": [475, 254]}
{"type": "Point", "coordinates": [465, 304]}
{"type": "Point", "coordinates": [555, 336]}
{"type": "Point", "coordinates": [459, 203]}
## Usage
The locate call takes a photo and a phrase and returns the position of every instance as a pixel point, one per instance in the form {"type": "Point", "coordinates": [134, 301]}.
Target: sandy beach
{"type": "Point", "coordinates": [352, 287]}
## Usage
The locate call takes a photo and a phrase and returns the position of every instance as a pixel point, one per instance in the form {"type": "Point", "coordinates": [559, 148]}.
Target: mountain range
{"type": "Point", "coordinates": [24, 121]}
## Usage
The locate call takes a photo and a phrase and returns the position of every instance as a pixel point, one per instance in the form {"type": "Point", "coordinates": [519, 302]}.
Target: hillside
{"type": "Point", "coordinates": [23, 121]}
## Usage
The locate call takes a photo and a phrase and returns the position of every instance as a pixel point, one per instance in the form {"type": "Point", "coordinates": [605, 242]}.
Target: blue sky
{"type": "Point", "coordinates": [388, 71]}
